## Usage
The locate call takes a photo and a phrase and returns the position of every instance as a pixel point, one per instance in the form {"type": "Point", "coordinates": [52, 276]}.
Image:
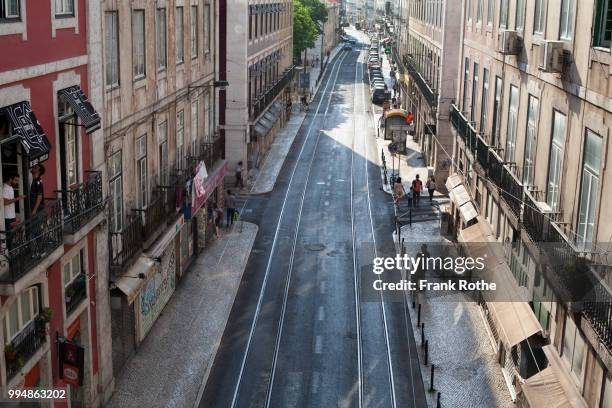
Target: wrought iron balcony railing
{"type": "Point", "coordinates": [125, 244]}
{"type": "Point", "coordinates": [259, 105]}
{"type": "Point", "coordinates": [430, 96]}
{"type": "Point", "coordinates": [75, 293]}
{"type": "Point", "coordinates": [28, 243]}
{"type": "Point", "coordinates": [464, 128]}
{"type": "Point", "coordinates": [211, 152]}
{"type": "Point", "coordinates": [83, 202]}
{"type": "Point", "coordinates": [24, 346]}
{"type": "Point", "coordinates": [154, 216]}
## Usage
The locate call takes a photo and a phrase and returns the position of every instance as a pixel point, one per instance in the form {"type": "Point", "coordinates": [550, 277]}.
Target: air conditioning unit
{"type": "Point", "coordinates": [509, 42]}
{"type": "Point", "coordinates": [552, 57]}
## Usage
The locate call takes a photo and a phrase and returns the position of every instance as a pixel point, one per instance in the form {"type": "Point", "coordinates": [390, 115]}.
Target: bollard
{"type": "Point", "coordinates": [438, 401]}
{"type": "Point", "coordinates": [419, 316]}
{"type": "Point", "coordinates": [422, 334]}
{"type": "Point", "coordinates": [431, 380]}
{"type": "Point", "coordinates": [426, 351]}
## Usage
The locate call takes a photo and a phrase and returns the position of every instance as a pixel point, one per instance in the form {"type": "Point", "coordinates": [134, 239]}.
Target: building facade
{"type": "Point", "coordinates": [259, 71]}
{"type": "Point", "coordinates": [331, 28]}
{"type": "Point", "coordinates": [52, 166]}
{"type": "Point", "coordinates": [163, 150]}
{"type": "Point", "coordinates": [426, 47]}
{"type": "Point", "coordinates": [532, 126]}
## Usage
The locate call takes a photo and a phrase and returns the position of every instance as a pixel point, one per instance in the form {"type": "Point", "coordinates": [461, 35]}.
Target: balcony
{"type": "Point", "coordinates": [152, 217]}
{"type": "Point", "coordinates": [125, 244]}
{"type": "Point", "coordinates": [211, 152]}
{"type": "Point", "coordinates": [259, 105]}
{"type": "Point", "coordinates": [30, 243]}
{"type": "Point", "coordinates": [82, 204]}
{"type": "Point", "coordinates": [430, 96]}
{"type": "Point", "coordinates": [75, 293]}
{"type": "Point", "coordinates": [24, 346]}
{"type": "Point", "coordinates": [464, 129]}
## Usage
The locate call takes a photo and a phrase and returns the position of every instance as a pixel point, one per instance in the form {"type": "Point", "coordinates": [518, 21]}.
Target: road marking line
{"type": "Point", "coordinates": [321, 316]}
{"type": "Point", "coordinates": [318, 344]}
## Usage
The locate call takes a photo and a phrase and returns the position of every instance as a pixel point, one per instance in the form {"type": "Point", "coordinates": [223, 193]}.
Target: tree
{"type": "Point", "coordinates": [318, 13]}
{"type": "Point", "coordinates": [304, 28]}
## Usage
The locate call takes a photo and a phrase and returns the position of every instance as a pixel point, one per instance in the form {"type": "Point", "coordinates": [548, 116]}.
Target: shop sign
{"type": "Point", "coordinates": [203, 187]}
{"type": "Point", "coordinates": [157, 291]}
{"type": "Point", "coordinates": [71, 362]}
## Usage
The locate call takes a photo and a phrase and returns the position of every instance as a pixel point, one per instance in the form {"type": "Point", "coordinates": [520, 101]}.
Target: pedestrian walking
{"type": "Point", "coordinates": [417, 187]}
{"type": "Point", "coordinates": [409, 197]}
{"type": "Point", "coordinates": [217, 217]}
{"type": "Point", "coordinates": [11, 182]}
{"type": "Point", "coordinates": [239, 170]}
{"type": "Point", "coordinates": [431, 187]}
{"type": "Point", "coordinates": [398, 191]}
{"type": "Point", "coordinates": [230, 207]}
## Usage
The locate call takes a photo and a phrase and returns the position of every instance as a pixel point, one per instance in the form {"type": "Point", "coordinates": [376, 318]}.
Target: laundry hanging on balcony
{"type": "Point", "coordinates": [23, 123]}
{"type": "Point", "coordinates": [90, 119]}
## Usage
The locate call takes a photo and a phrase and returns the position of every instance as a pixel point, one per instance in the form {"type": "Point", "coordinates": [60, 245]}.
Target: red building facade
{"type": "Point", "coordinates": [49, 239]}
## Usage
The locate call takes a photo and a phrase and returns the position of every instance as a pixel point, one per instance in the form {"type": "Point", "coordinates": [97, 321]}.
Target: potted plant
{"type": "Point", "coordinates": [46, 314]}
{"type": "Point", "coordinates": [10, 353]}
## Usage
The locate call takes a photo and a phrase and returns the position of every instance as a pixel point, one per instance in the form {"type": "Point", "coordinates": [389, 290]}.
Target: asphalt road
{"type": "Point", "coordinates": [300, 334]}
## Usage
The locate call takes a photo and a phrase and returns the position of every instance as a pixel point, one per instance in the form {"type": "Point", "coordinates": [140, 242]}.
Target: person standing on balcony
{"type": "Point", "coordinates": [239, 170]}
{"type": "Point", "coordinates": [37, 190]}
{"type": "Point", "coordinates": [11, 182]}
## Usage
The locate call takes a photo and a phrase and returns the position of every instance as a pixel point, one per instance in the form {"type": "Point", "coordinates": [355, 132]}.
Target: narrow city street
{"type": "Point", "coordinates": [299, 333]}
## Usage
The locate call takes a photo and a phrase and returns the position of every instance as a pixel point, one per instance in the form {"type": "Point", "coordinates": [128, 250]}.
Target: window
{"type": "Point", "coordinates": [10, 9]}
{"type": "Point", "coordinates": [474, 107]}
{"type": "Point", "coordinates": [589, 188]}
{"type": "Point", "coordinates": [479, 12]}
{"type": "Point", "coordinates": [555, 161]}
{"type": "Point", "coordinates": [64, 7]}
{"type": "Point", "coordinates": [162, 58]}
{"type": "Point", "coordinates": [484, 103]}
{"type": "Point", "coordinates": [512, 124]}
{"type": "Point", "coordinates": [466, 78]}
{"type": "Point", "coordinates": [566, 30]}
{"type": "Point", "coordinates": [180, 138]}
{"type": "Point", "coordinates": [68, 143]}
{"type": "Point", "coordinates": [141, 172]}
{"type": "Point", "coordinates": [606, 399]}
{"type": "Point", "coordinates": [250, 22]}
{"type": "Point", "coordinates": [138, 43]}
{"type": "Point", "coordinates": [208, 125]}
{"type": "Point", "coordinates": [503, 14]}
{"type": "Point", "coordinates": [195, 124]}
{"type": "Point", "coordinates": [603, 24]}
{"type": "Point", "coordinates": [520, 15]}
{"type": "Point", "coordinates": [541, 309]}
{"type": "Point", "coordinates": [207, 28]}
{"type": "Point", "coordinates": [112, 48]}
{"type": "Point", "coordinates": [194, 31]}
{"type": "Point", "coordinates": [489, 12]}
{"type": "Point", "coordinates": [179, 36]}
{"type": "Point", "coordinates": [73, 268]}
{"type": "Point", "coordinates": [573, 347]}
{"type": "Point", "coordinates": [497, 105]}
{"type": "Point", "coordinates": [256, 20]}
{"type": "Point", "coordinates": [71, 155]}
{"type": "Point", "coordinates": [530, 141]}
{"type": "Point", "coordinates": [468, 9]}
{"type": "Point", "coordinates": [20, 313]}
{"type": "Point", "coordinates": [163, 153]}
{"type": "Point", "coordinates": [539, 23]}
{"type": "Point", "coordinates": [116, 191]}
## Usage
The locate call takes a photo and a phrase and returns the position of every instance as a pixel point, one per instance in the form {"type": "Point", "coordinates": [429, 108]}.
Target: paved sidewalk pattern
{"type": "Point", "coordinates": [178, 352]}
{"type": "Point", "coordinates": [275, 157]}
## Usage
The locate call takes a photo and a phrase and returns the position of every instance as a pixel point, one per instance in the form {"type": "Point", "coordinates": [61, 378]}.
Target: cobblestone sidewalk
{"type": "Point", "coordinates": [176, 356]}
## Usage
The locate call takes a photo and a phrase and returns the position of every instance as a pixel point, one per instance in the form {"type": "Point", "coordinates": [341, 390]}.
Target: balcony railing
{"type": "Point", "coordinates": [464, 128]}
{"type": "Point", "coordinates": [430, 96]}
{"type": "Point", "coordinates": [598, 311]}
{"type": "Point", "coordinates": [83, 202]}
{"type": "Point", "coordinates": [24, 346]}
{"type": "Point", "coordinates": [154, 216]}
{"type": "Point", "coordinates": [212, 151]}
{"type": "Point", "coordinates": [28, 243]}
{"type": "Point", "coordinates": [75, 292]}
{"type": "Point", "coordinates": [259, 105]}
{"type": "Point", "coordinates": [125, 244]}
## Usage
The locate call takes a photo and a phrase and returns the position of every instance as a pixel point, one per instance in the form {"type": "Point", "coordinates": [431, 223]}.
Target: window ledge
{"type": "Point", "coordinates": [64, 16]}
{"type": "Point", "coordinates": [139, 82]}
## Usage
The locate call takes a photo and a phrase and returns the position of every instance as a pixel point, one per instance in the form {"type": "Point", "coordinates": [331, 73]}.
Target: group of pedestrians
{"type": "Point", "coordinates": [414, 194]}
{"type": "Point", "coordinates": [231, 213]}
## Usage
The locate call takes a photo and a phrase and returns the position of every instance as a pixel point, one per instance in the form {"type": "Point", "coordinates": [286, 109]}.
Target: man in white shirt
{"type": "Point", "coordinates": [11, 182]}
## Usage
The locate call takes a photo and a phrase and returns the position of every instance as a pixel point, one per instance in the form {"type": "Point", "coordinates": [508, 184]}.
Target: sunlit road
{"type": "Point", "coordinates": [299, 334]}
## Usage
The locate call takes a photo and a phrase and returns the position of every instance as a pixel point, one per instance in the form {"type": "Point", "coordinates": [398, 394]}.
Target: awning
{"type": "Point", "coordinates": [472, 234]}
{"type": "Point", "coordinates": [276, 108]}
{"type": "Point", "coordinates": [84, 110]}
{"type": "Point", "coordinates": [36, 146]}
{"type": "Point", "coordinates": [514, 321]}
{"type": "Point", "coordinates": [468, 212]}
{"type": "Point", "coordinates": [260, 130]}
{"type": "Point", "coordinates": [129, 283]}
{"type": "Point", "coordinates": [460, 195]}
{"type": "Point", "coordinates": [453, 181]}
{"type": "Point", "coordinates": [551, 387]}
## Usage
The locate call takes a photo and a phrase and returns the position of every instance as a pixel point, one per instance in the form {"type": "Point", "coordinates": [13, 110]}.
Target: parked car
{"type": "Point", "coordinates": [378, 94]}
{"type": "Point", "coordinates": [347, 47]}
{"type": "Point", "coordinates": [374, 64]}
